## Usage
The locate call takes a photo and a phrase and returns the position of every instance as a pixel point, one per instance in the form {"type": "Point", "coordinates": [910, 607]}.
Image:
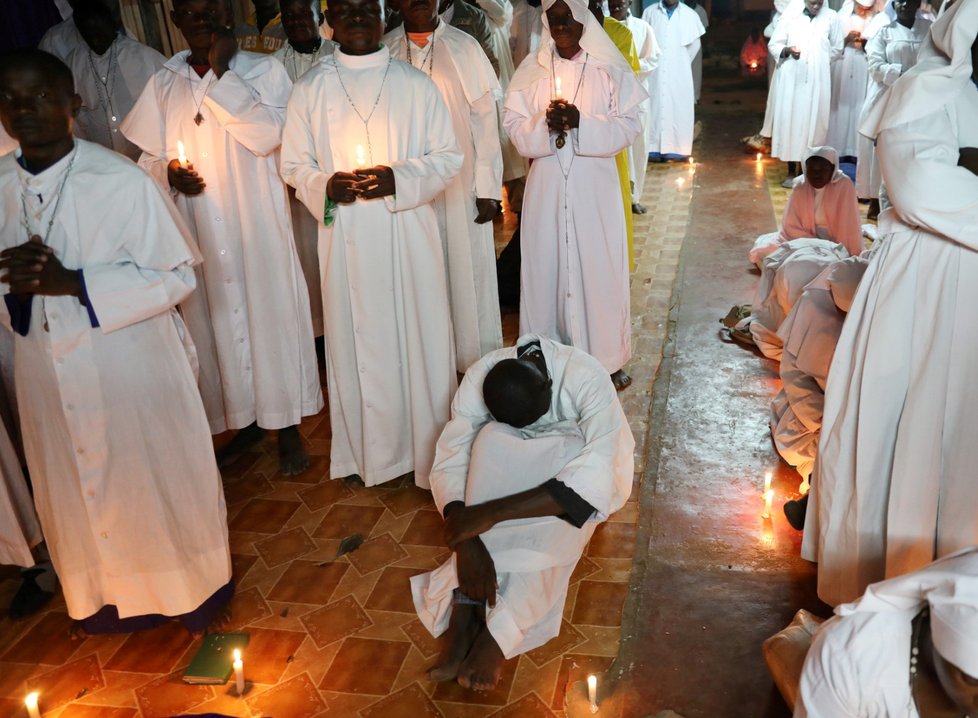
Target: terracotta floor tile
{"type": "Point", "coordinates": [599, 640]}
{"type": "Point", "coordinates": [242, 466]}
{"type": "Point", "coordinates": [599, 603]}
{"type": "Point", "coordinates": [226, 703]}
{"type": "Point", "coordinates": [318, 471]}
{"type": "Point", "coordinates": [376, 553]}
{"type": "Point", "coordinates": [168, 696]}
{"type": "Point", "coordinates": [407, 499]}
{"type": "Point", "coordinates": [154, 651]}
{"type": "Point", "coordinates": [364, 665]}
{"type": "Point", "coordinates": [307, 582]}
{"type": "Point", "coordinates": [12, 677]}
{"type": "Point", "coordinates": [337, 620]}
{"type": "Point", "coordinates": [312, 660]}
{"type": "Point", "coordinates": [248, 487]}
{"type": "Point", "coordinates": [346, 704]}
{"type": "Point", "coordinates": [529, 706]}
{"type": "Point", "coordinates": [46, 642]}
{"type": "Point", "coordinates": [247, 607]}
{"type": "Point", "coordinates": [342, 520]}
{"type": "Point", "coordinates": [498, 696]}
{"type": "Point", "coordinates": [564, 642]}
{"type": "Point", "coordinates": [284, 546]}
{"type": "Point", "coordinates": [574, 668]}
{"type": "Point", "coordinates": [393, 590]}
{"type": "Point", "coordinates": [324, 494]}
{"type": "Point", "coordinates": [240, 564]}
{"type": "Point", "coordinates": [118, 690]}
{"type": "Point", "coordinates": [269, 653]}
{"type": "Point", "coordinates": [353, 584]}
{"type": "Point", "coordinates": [422, 639]}
{"type": "Point", "coordinates": [612, 569]}
{"type": "Point", "coordinates": [264, 516]}
{"type": "Point", "coordinates": [83, 711]}
{"type": "Point", "coordinates": [584, 568]}
{"type": "Point", "coordinates": [531, 678]}
{"type": "Point", "coordinates": [68, 682]}
{"type": "Point", "coordinates": [295, 698]}
{"type": "Point", "coordinates": [427, 529]}
{"type": "Point", "coordinates": [385, 625]}
{"type": "Point", "coordinates": [613, 540]}
{"type": "Point", "coordinates": [423, 558]}
{"type": "Point", "coordinates": [410, 702]}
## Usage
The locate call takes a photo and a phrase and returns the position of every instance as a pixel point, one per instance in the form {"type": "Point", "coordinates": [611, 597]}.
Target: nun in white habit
{"type": "Point", "coordinates": [894, 487]}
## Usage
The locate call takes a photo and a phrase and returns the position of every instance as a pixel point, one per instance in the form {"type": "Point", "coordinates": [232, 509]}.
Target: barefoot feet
{"type": "Point", "coordinates": [621, 380]}
{"type": "Point", "coordinates": [239, 445]}
{"type": "Point", "coordinates": [292, 456]}
{"type": "Point", "coordinates": [482, 668]}
{"type": "Point", "coordinates": [462, 631]}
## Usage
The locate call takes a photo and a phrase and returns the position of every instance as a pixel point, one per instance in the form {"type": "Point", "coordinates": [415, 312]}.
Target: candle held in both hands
{"type": "Point", "coordinates": [239, 678]}
{"type": "Point", "coordinates": [31, 704]}
{"type": "Point", "coordinates": [557, 87]}
{"type": "Point", "coordinates": [181, 154]}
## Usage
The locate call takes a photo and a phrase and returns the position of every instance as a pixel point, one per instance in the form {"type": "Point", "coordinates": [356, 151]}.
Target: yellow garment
{"type": "Point", "coordinates": [622, 37]}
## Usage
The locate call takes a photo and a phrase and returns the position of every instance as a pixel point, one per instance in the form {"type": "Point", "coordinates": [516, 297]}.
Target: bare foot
{"type": "Point", "coordinates": [462, 631]}
{"type": "Point", "coordinates": [621, 380]}
{"type": "Point", "coordinates": [239, 445]}
{"type": "Point", "coordinates": [222, 619]}
{"type": "Point", "coordinates": [482, 668]}
{"type": "Point", "coordinates": [292, 456]}
{"type": "Point", "coordinates": [77, 631]}
{"type": "Point", "coordinates": [638, 208]}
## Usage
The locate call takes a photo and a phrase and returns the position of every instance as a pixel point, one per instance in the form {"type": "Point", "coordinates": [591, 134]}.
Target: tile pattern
{"type": "Point", "coordinates": [337, 636]}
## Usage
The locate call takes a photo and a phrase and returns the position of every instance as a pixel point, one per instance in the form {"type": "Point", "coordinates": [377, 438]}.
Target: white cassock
{"type": "Point", "coordinates": [109, 85]}
{"type": "Point", "coordinates": [784, 274]}
{"type": "Point", "coordinates": [802, 88]}
{"type": "Point", "coordinates": [19, 529]}
{"type": "Point", "coordinates": [525, 30]}
{"type": "Point", "coordinates": [116, 439]}
{"type": "Point", "coordinates": [305, 227]}
{"type": "Point", "coordinates": [62, 40]}
{"type": "Point", "coordinates": [891, 52]}
{"type": "Point", "coordinates": [583, 441]}
{"type": "Point", "coordinates": [574, 274]}
{"type": "Point", "coordinates": [698, 60]}
{"type": "Point", "coordinates": [250, 317]}
{"type": "Point", "coordinates": [780, 6]}
{"type": "Point", "coordinates": [894, 484]}
{"type": "Point", "coordinates": [390, 362]}
{"type": "Point", "coordinates": [468, 85]}
{"type": "Point", "coordinates": [648, 57]}
{"type": "Point", "coordinates": [671, 86]}
{"type": "Point", "coordinates": [850, 76]}
{"type": "Point", "coordinates": [810, 333]}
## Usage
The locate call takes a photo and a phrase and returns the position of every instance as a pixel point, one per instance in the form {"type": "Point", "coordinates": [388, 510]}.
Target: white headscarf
{"type": "Point", "coordinates": [950, 587]}
{"type": "Point", "coordinates": [942, 71]}
{"type": "Point", "coordinates": [601, 52]}
{"type": "Point", "coordinates": [831, 155]}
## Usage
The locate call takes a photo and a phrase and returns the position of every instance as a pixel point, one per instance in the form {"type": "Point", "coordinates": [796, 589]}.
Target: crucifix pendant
{"type": "Point", "coordinates": [561, 140]}
{"type": "Point", "coordinates": [198, 118]}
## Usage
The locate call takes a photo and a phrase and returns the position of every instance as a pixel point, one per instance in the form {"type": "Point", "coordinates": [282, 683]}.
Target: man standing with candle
{"type": "Point", "coordinates": [251, 320]}
{"type": "Point", "coordinates": [391, 362]}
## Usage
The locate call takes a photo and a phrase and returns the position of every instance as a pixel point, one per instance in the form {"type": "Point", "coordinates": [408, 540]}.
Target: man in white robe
{"type": "Point", "coordinates": [574, 274]}
{"type": "Point", "coordinates": [807, 40]}
{"type": "Point", "coordinates": [302, 21]}
{"type": "Point", "coordinates": [251, 320]}
{"type": "Point", "coordinates": [677, 29]}
{"type": "Point", "coordinates": [526, 30]}
{"type": "Point", "coordinates": [390, 361]}
{"type": "Point", "coordinates": [894, 488]}
{"type": "Point", "coordinates": [698, 60]}
{"type": "Point", "coordinates": [648, 57]}
{"type": "Point", "coordinates": [537, 454]}
{"type": "Point", "coordinates": [908, 648]}
{"type": "Point", "coordinates": [110, 72]}
{"type": "Point", "coordinates": [466, 208]}
{"type": "Point", "coordinates": [125, 482]}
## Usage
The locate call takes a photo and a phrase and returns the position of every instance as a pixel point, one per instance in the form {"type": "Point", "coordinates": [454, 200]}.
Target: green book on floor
{"type": "Point", "coordinates": [212, 662]}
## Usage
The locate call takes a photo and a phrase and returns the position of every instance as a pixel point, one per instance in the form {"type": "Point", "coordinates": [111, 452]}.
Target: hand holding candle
{"type": "Point", "coordinates": [239, 678]}
{"type": "Point", "coordinates": [592, 692]}
{"type": "Point", "coordinates": [31, 704]}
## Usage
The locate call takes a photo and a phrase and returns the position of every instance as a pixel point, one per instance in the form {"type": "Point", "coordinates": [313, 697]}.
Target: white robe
{"type": "Point", "coordinates": [574, 275]}
{"type": "Point", "coordinates": [698, 60]}
{"type": "Point", "coordinates": [390, 361]}
{"type": "Point", "coordinates": [648, 57]}
{"type": "Point", "coordinates": [583, 441]}
{"type": "Point", "coordinates": [305, 227]}
{"type": "Point", "coordinates": [119, 76]}
{"type": "Point", "coordinates": [250, 317]}
{"type": "Point", "coordinates": [19, 529]}
{"type": "Point", "coordinates": [468, 85]}
{"type": "Point", "coordinates": [116, 440]}
{"type": "Point", "coordinates": [525, 30]}
{"type": "Point", "coordinates": [891, 52]}
{"type": "Point", "coordinates": [850, 77]}
{"type": "Point", "coordinates": [894, 487]}
{"type": "Point", "coordinates": [62, 40]}
{"type": "Point", "coordinates": [802, 88]}
{"type": "Point", "coordinates": [671, 87]}
{"type": "Point", "coordinates": [7, 143]}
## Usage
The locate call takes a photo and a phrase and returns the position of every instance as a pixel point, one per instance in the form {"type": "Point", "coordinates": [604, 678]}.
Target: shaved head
{"type": "Point", "coordinates": [516, 392]}
{"type": "Point", "coordinates": [43, 63]}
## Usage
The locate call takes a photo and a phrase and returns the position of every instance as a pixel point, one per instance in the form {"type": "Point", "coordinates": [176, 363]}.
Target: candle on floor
{"type": "Point", "coordinates": [181, 154]}
{"type": "Point", "coordinates": [680, 181]}
{"type": "Point", "coordinates": [361, 159]}
{"type": "Point", "coordinates": [768, 500]}
{"type": "Point", "coordinates": [239, 679]}
{"type": "Point", "coordinates": [31, 703]}
{"type": "Point", "coordinates": [557, 86]}
{"type": "Point", "coordinates": [759, 157]}
{"type": "Point", "coordinates": [592, 692]}
{"type": "Point", "coordinates": [753, 64]}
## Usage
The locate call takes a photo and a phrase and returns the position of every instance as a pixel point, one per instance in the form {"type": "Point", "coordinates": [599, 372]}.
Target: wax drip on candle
{"type": "Point", "coordinates": [592, 692]}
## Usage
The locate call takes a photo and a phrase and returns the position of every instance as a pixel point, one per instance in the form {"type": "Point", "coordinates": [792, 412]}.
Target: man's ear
{"type": "Point", "coordinates": [76, 104]}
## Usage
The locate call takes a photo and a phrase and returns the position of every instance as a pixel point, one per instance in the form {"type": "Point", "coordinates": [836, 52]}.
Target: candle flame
{"type": "Point", "coordinates": [31, 700]}
{"type": "Point", "coordinates": [753, 65]}
{"type": "Point", "coordinates": [557, 86]}
{"type": "Point", "coordinates": [768, 500]}
{"type": "Point", "coordinates": [680, 181]}
{"type": "Point", "coordinates": [237, 655]}
{"type": "Point", "coordinates": [768, 476]}
{"type": "Point", "coordinates": [181, 153]}
{"type": "Point", "coordinates": [759, 156]}
{"type": "Point", "coordinates": [592, 681]}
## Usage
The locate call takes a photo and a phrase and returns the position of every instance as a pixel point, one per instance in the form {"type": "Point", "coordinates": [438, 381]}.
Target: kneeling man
{"type": "Point", "coordinates": [538, 452]}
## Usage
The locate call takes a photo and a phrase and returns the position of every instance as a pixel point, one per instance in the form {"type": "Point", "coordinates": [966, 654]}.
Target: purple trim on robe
{"type": "Point", "coordinates": [84, 300]}
{"type": "Point", "coordinates": [107, 619]}
{"type": "Point", "coordinates": [19, 309]}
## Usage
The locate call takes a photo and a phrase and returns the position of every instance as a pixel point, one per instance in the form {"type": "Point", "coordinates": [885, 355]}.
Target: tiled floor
{"type": "Point", "coordinates": [337, 635]}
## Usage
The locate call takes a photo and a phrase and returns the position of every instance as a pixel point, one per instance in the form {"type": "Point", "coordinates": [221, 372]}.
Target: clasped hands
{"type": "Point", "coordinates": [563, 116]}
{"type": "Point", "coordinates": [475, 567]}
{"type": "Point", "coordinates": [367, 183]}
{"type": "Point", "coordinates": [32, 268]}
{"type": "Point", "coordinates": [791, 52]}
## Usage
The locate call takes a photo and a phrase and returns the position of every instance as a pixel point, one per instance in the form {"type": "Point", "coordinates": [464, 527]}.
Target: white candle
{"type": "Point", "coordinates": [361, 159]}
{"type": "Point", "coordinates": [181, 154]}
{"type": "Point", "coordinates": [759, 157]}
{"type": "Point", "coordinates": [680, 181]}
{"type": "Point", "coordinates": [768, 500]}
{"type": "Point", "coordinates": [239, 672]}
{"type": "Point", "coordinates": [592, 692]}
{"type": "Point", "coordinates": [753, 64]}
{"type": "Point", "coordinates": [557, 86]}
{"type": "Point", "coordinates": [768, 476]}
{"type": "Point", "coordinates": [31, 703]}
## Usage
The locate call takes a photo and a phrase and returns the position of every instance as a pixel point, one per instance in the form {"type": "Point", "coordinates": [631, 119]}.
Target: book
{"type": "Point", "coordinates": [211, 664]}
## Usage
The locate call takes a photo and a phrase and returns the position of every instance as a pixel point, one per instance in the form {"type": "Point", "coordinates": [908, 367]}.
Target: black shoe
{"type": "Point", "coordinates": [795, 512]}
{"type": "Point", "coordinates": [30, 598]}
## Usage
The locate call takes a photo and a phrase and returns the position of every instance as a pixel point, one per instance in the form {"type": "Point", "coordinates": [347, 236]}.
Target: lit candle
{"type": "Point", "coordinates": [768, 499]}
{"type": "Point", "coordinates": [557, 86]}
{"type": "Point", "coordinates": [759, 157]}
{"type": "Point", "coordinates": [753, 64]}
{"type": "Point", "coordinates": [680, 181]}
{"type": "Point", "coordinates": [181, 154]}
{"type": "Point", "coordinates": [239, 672]}
{"type": "Point", "coordinates": [592, 692]}
{"type": "Point", "coordinates": [31, 703]}
{"type": "Point", "coordinates": [361, 159]}
{"type": "Point", "coordinates": [768, 477]}
{"type": "Point", "coordinates": [804, 487]}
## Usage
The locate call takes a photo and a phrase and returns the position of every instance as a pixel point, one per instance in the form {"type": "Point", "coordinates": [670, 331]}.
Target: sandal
{"type": "Point", "coordinates": [737, 313]}
{"type": "Point", "coordinates": [738, 336]}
